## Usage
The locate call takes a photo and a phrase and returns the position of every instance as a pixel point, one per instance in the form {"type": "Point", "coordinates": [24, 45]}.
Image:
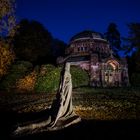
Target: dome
{"type": "Point", "coordinates": [87, 42]}
{"type": "Point", "coordinates": [87, 34]}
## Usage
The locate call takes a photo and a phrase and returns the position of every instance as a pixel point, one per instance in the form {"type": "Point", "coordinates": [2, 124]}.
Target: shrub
{"type": "Point", "coordinates": [48, 81]}
{"type": "Point", "coordinates": [49, 78]}
{"type": "Point", "coordinates": [46, 68]}
{"type": "Point", "coordinates": [79, 77]}
{"type": "Point", "coordinates": [27, 83]}
{"type": "Point", "coordinates": [16, 72]}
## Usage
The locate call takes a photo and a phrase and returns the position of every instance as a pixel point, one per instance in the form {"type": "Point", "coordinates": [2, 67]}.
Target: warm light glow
{"type": "Point", "coordinates": [113, 63]}
{"type": "Point", "coordinates": [27, 83]}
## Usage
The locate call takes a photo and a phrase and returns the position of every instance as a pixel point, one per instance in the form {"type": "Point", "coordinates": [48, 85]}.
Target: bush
{"type": "Point", "coordinates": [27, 83]}
{"type": "Point", "coordinates": [135, 79]}
{"type": "Point", "coordinates": [48, 79]}
{"type": "Point", "coordinates": [44, 69]}
{"type": "Point", "coordinates": [16, 72]}
{"type": "Point", "coordinates": [79, 77]}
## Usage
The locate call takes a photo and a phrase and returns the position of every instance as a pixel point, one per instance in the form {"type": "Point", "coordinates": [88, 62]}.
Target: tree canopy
{"type": "Point", "coordinates": [7, 17]}
{"type": "Point", "coordinates": [114, 38]}
{"type": "Point", "coordinates": [32, 42]}
{"type": "Point", "coordinates": [133, 39]}
{"type": "Point", "coordinates": [133, 44]}
{"type": "Point", "coordinates": [6, 57]}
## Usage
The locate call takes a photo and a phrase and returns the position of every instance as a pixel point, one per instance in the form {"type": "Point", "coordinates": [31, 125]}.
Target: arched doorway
{"type": "Point", "coordinates": [112, 75]}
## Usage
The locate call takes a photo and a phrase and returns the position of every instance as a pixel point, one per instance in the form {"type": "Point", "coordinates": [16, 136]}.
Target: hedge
{"type": "Point", "coordinates": [16, 72]}
{"type": "Point", "coordinates": [48, 79]}
{"type": "Point", "coordinates": [44, 78]}
{"type": "Point", "coordinates": [79, 77]}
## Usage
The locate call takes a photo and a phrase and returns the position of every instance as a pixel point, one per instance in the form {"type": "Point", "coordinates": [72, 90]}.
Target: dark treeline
{"type": "Point", "coordinates": [34, 43]}
{"type": "Point", "coordinates": [32, 37]}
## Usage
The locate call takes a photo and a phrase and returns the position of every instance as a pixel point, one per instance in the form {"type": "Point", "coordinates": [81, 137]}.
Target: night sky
{"type": "Point", "coordinates": [65, 18]}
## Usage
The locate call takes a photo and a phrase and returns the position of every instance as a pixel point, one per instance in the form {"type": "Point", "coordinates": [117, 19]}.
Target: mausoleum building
{"type": "Point", "coordinates": [92, 52]}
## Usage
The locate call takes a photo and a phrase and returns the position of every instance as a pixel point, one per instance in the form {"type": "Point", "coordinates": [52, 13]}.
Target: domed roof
{"type": "Point", "coordinates": [87, 34]}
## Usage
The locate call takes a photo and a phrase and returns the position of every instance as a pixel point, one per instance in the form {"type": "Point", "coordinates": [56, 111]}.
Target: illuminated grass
{"type": "Point", "coordinates": [88, 103]}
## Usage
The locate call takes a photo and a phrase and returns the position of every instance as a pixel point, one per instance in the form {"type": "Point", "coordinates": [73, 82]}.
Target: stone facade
{"type": "Point", "coordinates": [90, 51]}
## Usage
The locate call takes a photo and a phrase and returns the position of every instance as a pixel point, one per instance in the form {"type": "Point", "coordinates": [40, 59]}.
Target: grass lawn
{"type": "Point", "coordinates": [89, 103]}
{"type": "Point", "coordinates": [108, 103]}
{"type": "Point", "coordinates": [105, 112]}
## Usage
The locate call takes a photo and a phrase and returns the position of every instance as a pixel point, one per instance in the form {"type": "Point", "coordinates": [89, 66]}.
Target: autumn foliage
{"type": "Point", "coordinates": [7, 17]}
{"type": "Point", "coordinates": [17, 71]}
{"type": "Point", "coordinates": [6, 57]}
{"type": "Point", "coordinates": [27, 83]}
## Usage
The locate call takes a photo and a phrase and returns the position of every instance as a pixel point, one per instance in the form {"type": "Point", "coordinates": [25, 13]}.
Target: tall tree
{"type": "Point", "coordinates": [133, 39]}
{"type": "Point", "coordinates": [6, 57]}
{"type": "Point", "coordinates": [32, 42]}
{"type": "Point", "coordinates": [7, 17]}
{"type": "Point", "coordinates": [113, 36]}
{"type": "Point", "coordinates": [133, 45]}
{"type": "Point", "coordinates": [7, 23]}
